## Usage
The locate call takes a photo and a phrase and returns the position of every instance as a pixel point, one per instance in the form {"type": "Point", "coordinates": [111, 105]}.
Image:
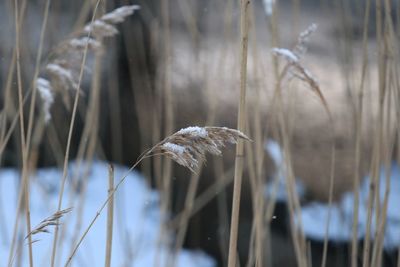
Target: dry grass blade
{"type": "Point", "coordinates": [53, 220]}
{"type": "Point", "coordinates": [190, 144]}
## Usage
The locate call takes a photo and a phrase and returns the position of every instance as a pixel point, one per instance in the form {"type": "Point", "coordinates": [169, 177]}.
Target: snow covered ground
{"type": "Point", "coordinates": [276, 188]}
{"type": "Point", "coordinates": [136, 223]}
{"type": "Point", "coordinates": [314, 216]}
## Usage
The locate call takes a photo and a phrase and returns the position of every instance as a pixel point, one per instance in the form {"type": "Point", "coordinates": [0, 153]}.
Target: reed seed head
{"type": "Point", "coordinates": [62, 70]}
{"type": "Point", "coordinates": [190, 144]}
{"type": "Point", "coordinates": [53, 220]}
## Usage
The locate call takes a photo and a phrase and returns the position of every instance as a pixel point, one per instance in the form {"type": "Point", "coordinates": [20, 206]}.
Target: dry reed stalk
{"type": "Point", "coordinates": [297, 70]}
{"type": "Point", "coordinates": [359, 125]}
{"type": "Point", "coordinates": [331, 182]}
{"type": "Point", "coordinates": [166, 105]}
{"type": "Point", "coordinates": [258, 151]}
{"type": "Point", "coordinates": [88, 141]}
{"type": "Point", "coordinates": [24, 175]}
{"type": "Point", "coordinates": [185, 215]}
{"type": "Point", "coordinates": [373, 196]}
{"type": "Point", "coordinates": [244, 25]}
{"type": "Point", "coordinates": [168, 110]}
{"type": "Point", "coordinates": [186, 147]}
{"type": "Point", "coordinates": [46, 86]}
{"type": "Point", "coordinates": [376, 259]}
{"type": "Point", "coordinates": [388, 140]}
{"type": "Point", "coordinates": [272, 20]}
{"type": "Point", "coordinates": [26, 154]}
{"type": "Point", "coordinates": [110, 216]}
{"type": "Point", "coordinates": [66, 157]}
{"type": "Point", "coordinates": [256, 238]}
{"type": "Point", "coordinates": [8, 109]}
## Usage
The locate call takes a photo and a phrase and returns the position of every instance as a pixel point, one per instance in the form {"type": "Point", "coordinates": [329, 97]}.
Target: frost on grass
{"type": "Point", "coordinates": [194, 131]}
{"type": "Point", "coordinates": [190, 144]}
{"type": "Point", "coordinates": [62, 71]}
{"type": "Point", "coordinates": [119, 14]}
{"type": "Point", "coordinates": [46, 95]}
{"type": "Point", "coordinates": [286, 54]}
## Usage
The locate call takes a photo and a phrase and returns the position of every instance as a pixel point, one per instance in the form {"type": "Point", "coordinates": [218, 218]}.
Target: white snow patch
{"type": "Point", "coordinates": [277, 187]}
{"type": "Point", "coordinates": [314, 216]}
{"type": "Point", "coordinates": [136, 224]}
{"type": "Point", "coordinates": [194, 131]}
{"type": "Point", "coordinates": [174, 148]}
{"type": "Point", "coordinates": [285, 53]}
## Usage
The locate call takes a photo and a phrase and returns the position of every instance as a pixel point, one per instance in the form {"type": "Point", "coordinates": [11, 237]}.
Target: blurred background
{"type": "Point", "coordinates": [321, 180]}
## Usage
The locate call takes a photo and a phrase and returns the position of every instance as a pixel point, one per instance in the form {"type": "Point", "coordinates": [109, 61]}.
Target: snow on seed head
{"type": "Point", "coordinates": [194, 131]}
{"type": "Point", "coordinates": [192, 143]}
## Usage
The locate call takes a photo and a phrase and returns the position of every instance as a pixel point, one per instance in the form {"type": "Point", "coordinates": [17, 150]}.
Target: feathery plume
{"type": "Point", "coordinates": [80, 43]}
{"type": "Point", "coordinates": [190, 144]}
{"type": "Point", "coordinates": [64, 67]}
{"type": "Point", "coordinates": [100, 29]}
{"type": "Point", "coordinates": [53, 220]}
{"type": "Point", "coordinates": [295, 67]}
{"type": "Point", "coordinates": [301, 47]}
{"type": "Point", "coordinates": [104, 27]}
{"type": "Point", "coordinates": [61, 75]}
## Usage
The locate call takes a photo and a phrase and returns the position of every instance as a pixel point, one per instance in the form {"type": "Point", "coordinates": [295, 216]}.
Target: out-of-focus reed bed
{"type": "Point", "coordinates": [331, 103]}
